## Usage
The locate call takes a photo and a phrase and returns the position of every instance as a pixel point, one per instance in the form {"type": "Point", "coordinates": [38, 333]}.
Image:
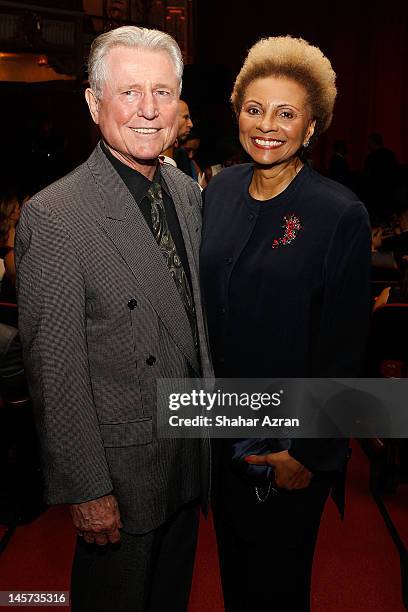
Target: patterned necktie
{"type": "Point", "coordinates": [164, 239]}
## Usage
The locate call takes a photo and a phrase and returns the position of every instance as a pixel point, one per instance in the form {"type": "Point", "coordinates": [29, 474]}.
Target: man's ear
{"type": "Point", "coordinates": [93, 104]}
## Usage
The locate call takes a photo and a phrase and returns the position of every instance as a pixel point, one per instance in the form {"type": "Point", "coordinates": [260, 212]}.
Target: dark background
{"type": "Point", "coordinates": [368, 47]}
{"type": "Point", "coordinates": [366, 43]}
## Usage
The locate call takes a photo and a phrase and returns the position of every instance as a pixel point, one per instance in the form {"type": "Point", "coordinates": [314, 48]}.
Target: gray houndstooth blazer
{"type": "Point", "coordinates": [83, 252]}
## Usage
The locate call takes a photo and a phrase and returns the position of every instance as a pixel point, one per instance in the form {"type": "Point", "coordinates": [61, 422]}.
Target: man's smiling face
{"type": "Point", "coordinates": [137, 113]}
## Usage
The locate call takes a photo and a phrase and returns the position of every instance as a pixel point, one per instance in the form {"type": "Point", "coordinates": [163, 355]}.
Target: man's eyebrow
{"type": "Point", "coordinates": [127, 86]}
{"type": "Point", "coordinates": [166, 85]}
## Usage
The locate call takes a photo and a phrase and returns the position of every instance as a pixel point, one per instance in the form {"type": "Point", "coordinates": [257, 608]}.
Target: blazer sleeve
{"type": "Point", "coordinates": [52, 322]}
{"type": "Point", "coordinates": [339, 351]}
{"type": "Point", "coordinates": [341, 342]}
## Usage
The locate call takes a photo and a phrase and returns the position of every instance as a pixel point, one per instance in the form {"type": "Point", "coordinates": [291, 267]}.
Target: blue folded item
{"type": "Point", "coordinates": [255, 474]}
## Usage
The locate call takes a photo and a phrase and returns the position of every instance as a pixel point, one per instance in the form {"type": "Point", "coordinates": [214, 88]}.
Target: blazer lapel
{"type": "Point", "coordinates": [125, 225]}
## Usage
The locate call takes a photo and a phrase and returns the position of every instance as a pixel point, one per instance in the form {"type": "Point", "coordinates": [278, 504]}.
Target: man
{"type": "Point", "coordinates": [184, 122]}
{"type": "Point", "coordinates": [177, 154]}
{"type": "Point", "coordinates": [184, 125]}
{"type": "Point", "coordinates": [180, 154]}
{"type": "Point", "coordinates": [109, 302]}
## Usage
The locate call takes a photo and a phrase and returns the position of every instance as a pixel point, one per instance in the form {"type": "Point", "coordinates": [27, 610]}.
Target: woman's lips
{"type": "Point", "coordinates": [265, 143]}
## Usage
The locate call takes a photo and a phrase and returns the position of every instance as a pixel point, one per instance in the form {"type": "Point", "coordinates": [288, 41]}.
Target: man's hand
{"type": "Point", "coordinates": [98, 520]}
{"type": "Point", "coordinates": [289, 473]}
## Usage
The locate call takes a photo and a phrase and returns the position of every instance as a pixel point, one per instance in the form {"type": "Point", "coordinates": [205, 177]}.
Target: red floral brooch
{"type": "Point", "coordinates": [291, 227]}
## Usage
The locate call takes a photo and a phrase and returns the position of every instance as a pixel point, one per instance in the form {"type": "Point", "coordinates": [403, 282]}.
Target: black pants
{"type": "Point", "coordinates": [266, 548]}
{"type": "Point", "coordinates": [145, 573]}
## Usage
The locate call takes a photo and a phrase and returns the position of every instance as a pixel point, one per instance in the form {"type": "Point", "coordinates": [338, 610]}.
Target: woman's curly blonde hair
{"type": "Point", "coordinates": [296, 59]}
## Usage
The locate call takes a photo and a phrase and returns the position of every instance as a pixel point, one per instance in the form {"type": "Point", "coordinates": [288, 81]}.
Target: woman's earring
{"type": "Point", "coordinates": [306, 143]}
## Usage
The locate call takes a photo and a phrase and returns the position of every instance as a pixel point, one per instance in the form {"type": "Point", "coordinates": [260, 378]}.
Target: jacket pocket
{"type": "Point", "coordinates": [131, 433]}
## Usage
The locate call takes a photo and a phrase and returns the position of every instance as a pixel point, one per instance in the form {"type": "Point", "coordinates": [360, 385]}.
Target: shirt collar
{"type": "Point", "coordinates": [137, 184]}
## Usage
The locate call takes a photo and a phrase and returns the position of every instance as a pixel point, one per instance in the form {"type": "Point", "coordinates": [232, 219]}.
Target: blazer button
{"type": "Point", "coordinates": [132, 304]}
{"type": "Point", "coordinates": [229, 260]}
{"type": "Point", "coordinates": [151, 360]}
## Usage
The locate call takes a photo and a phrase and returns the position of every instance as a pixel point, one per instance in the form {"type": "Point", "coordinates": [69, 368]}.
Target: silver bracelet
{"type": "Point", "coordinates": [271, 489]}
{"type": "Point", "coordinates": [259, 497]}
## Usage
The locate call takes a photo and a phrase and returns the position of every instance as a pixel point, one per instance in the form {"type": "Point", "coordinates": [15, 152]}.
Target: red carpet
{"type": "Point", "coordinates": [397, 507]}
{"type": "Point", "coordinates": [356, 567]}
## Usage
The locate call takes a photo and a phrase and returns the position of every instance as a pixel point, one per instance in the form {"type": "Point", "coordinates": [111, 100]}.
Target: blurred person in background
{"type": "Point", "coordinates": [339, 168]}
{"type": "Point", "coordinates": [184, 125]}
{"type": "Point", "coordinates": [10, 207]}
{"type": "Point", "coordinates": [191, 146]}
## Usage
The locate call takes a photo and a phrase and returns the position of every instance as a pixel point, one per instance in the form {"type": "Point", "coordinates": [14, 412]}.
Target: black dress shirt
{"type": "Point", "coordinates": [138, 186]}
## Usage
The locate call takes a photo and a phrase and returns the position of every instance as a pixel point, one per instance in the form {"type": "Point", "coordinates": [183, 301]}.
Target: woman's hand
{"type": "Point", "coordinates": [289, 473]}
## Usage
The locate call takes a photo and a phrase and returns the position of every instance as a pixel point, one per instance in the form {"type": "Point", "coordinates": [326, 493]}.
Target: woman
{"type": "Point", "coordinates": [285, 264]}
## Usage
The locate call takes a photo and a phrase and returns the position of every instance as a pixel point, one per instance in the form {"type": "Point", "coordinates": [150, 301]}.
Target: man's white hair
{"type": "Point", "coordinates": [133, 37]}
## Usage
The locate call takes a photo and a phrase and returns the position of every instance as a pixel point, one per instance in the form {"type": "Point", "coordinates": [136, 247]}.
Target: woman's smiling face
{"type": "Point", "coordinates": [275, 120]}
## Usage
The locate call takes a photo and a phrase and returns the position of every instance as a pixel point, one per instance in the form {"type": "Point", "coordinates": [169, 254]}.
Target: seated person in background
{"type": "Point", "coordinates": [11, 201]}
{"type": "Point", "coordinates": [2, 271]}
{"type": "Point", "coordinates": [393, 295]}
{"type": "Point", "coordinates": [9, 215]}
{"type": "Point", "coordinates": [380, 258]}
{"type": "Point", "coordinates": [398, 243]}
{"type": "Point", "coordinates": [376, 238]}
